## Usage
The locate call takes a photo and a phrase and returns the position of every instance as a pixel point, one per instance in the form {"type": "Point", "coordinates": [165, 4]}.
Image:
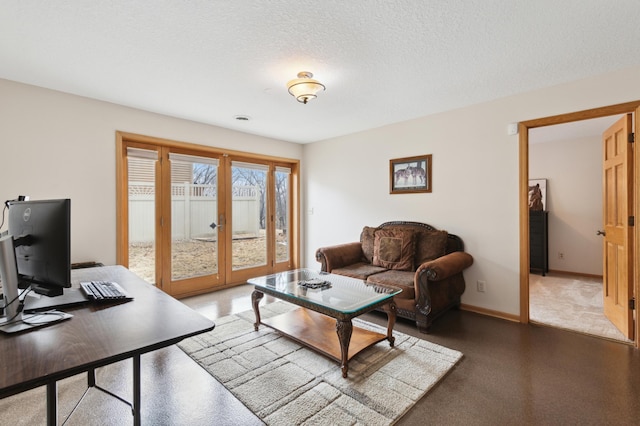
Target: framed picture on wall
{"type": "Point", "coordinates": [537, 194]}
{"type": "Point", "coordinates": [410, 174]}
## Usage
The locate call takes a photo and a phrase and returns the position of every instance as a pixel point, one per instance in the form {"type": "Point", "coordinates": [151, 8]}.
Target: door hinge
{"type": "Point", "coordinates": [632, 137]}
{"type": "Point", "coordinates": [632, 303]}
{"type": "Point", "coordinates": [632, 221]}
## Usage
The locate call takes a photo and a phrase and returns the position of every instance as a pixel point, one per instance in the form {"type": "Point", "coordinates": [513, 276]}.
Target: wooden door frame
{"type": "Point", "coordinates": [523, 131]}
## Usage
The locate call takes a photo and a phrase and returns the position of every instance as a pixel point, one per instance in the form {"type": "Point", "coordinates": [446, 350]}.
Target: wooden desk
{"type": "Point", "coordinates": [96, 336]}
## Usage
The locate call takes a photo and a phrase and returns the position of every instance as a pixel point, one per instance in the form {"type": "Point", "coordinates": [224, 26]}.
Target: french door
{"type": "Point", "coordinates": [261, 190]}
{"type": "Point", "coordinates": [192, 219]}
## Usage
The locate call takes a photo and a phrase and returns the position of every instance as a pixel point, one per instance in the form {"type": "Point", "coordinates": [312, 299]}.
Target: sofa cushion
{"type": "Point", "coordinates": [360, 270]}
{"type": "Point", "coordinates": [394, 249]}
{"type": "Point", "coordinates": [430, 245]}
{"type": "Point", "coordinates": [366, 240]}
{"type": "Point", "coordinates": [393, 278]}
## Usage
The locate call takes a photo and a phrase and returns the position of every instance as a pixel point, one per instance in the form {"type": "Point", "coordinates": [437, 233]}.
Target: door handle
{"type": "Point", "coordinates": [601, 233]}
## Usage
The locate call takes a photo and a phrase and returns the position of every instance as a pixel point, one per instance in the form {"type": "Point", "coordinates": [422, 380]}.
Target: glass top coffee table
{"type": "Point", "coordinates": [327, 304]}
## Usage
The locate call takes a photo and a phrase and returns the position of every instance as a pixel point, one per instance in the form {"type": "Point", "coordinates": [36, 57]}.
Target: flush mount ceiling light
{"type": "Point", "coordinates": [304, 87]}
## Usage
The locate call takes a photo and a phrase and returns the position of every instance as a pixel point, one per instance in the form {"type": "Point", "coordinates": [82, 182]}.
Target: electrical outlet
{"type": "Point", "coordinates": [481, 286]}
{"type": "Point", "coordinates": [560, 255]}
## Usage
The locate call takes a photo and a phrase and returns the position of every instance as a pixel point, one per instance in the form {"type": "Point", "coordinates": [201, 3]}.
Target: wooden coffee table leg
{"type": "Point", "coordinates": [256, 296]}
{"type": "Point", "coordinates": [391, 321]}
{"type": "Point", "coordinates": [344, 329]}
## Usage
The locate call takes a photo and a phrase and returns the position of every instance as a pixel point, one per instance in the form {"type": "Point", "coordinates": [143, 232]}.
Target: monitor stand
{"type": "Point", "coordinates": [70, 297]}
{"type": "Point", "coordinates": [14, 320]}
{"type": "Point", "coordinates": [46, 290]}
{"type": "Point", "coordinates": [23, 322]}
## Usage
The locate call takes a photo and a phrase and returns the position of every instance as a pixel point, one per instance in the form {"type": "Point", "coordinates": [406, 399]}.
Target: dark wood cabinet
{"type": "Point", "coordinates": [538, 242]}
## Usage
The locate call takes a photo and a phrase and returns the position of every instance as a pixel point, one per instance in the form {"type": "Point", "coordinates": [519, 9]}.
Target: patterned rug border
{"type": "Point", "coordinates": [282, 382]}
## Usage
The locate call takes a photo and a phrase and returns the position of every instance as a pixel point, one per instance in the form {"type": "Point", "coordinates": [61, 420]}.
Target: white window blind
{"type": "Point", "coordinates": [252, 166]}
{"type": "Point", "coordinates": [146, 154]}
{"type": "Point", "coordinates": [183, 158]}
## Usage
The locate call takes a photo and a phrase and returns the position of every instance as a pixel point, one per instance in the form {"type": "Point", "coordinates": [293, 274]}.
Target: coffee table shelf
{"type": "Point", "coordinates": [318, 332]}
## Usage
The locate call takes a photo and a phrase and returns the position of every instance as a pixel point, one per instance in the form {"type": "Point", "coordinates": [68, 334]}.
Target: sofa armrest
{"type": "Point", "coordinates": [439, 283]}
{"type": "Point", "coordinates": [445, 266]}
{"type": "Point", "coordinates": [339, 256]}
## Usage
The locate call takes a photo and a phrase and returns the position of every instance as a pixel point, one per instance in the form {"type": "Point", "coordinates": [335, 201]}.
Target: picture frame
{"type": "Point", "coordinates": [537, 194]}
{"type": "Point", "coordinates": [410, 175]}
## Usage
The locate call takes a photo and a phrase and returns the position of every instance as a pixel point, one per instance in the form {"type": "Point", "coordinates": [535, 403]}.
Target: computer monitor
{"type": "Point", "coordinates": [42, 235]}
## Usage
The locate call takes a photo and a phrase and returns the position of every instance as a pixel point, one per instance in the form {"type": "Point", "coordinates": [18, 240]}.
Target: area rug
{"type": "Point", "coordinates": [284, 383]}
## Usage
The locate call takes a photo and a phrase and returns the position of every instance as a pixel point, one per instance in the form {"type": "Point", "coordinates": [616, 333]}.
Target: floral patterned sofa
{"type": "Point", "coordinates": [425, 262]}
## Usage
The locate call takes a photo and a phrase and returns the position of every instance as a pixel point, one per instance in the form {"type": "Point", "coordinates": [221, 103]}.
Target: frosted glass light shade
{"type": "Point", "coordinates": [304, 87]}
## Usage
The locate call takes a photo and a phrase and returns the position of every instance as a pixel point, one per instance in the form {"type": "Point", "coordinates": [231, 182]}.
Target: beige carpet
{"type": "Point", "coordinates": [286, 384]}
{"type": "Point", "coordinates": [572, 303]}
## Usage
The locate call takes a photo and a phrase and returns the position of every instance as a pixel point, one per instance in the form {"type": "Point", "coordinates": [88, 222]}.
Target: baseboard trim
{"type": "Point", "coordinates": [578, 274]}
{"type": "Point", "coordinates": [490, 312]}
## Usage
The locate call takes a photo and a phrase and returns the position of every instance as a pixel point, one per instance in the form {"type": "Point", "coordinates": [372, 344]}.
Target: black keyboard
{"type": "Point", "coordinates": [103, 291]}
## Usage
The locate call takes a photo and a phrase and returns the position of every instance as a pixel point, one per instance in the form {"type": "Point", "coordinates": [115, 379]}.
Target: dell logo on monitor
{"type": "Point", "coordinates": [27, 214]}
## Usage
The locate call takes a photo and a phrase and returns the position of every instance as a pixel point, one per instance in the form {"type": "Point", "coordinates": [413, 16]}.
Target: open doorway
{"type": "Point", "coordinates": [524, 132]}
{"type": "Point", "coordinates": [566, 287]}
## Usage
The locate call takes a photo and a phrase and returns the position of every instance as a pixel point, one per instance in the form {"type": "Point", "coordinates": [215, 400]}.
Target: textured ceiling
{"type": "Point", "coordinates": [381, 61]}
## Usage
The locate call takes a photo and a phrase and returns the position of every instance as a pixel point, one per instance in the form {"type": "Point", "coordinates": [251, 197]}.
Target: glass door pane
{"type": "Point", "coordinates": [249, 213]}
{"type": "Point", "coordinates": [283, 233]}
{"type": "Point", "coordinates": [194, 212]}
{"type": "Point", "coordinates": [141, 172]}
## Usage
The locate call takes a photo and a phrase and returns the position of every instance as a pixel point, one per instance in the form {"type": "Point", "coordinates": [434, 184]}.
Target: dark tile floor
{"type": "Point", "coordinates": [510, 374]}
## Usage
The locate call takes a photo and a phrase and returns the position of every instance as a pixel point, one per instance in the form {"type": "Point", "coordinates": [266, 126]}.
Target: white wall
{"type": "Point", "coordinates": [475, 179]}
{"type": "Point", "coordinates": [56, 145]}
{"type": "Point", "coordinates": [573, 169]}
